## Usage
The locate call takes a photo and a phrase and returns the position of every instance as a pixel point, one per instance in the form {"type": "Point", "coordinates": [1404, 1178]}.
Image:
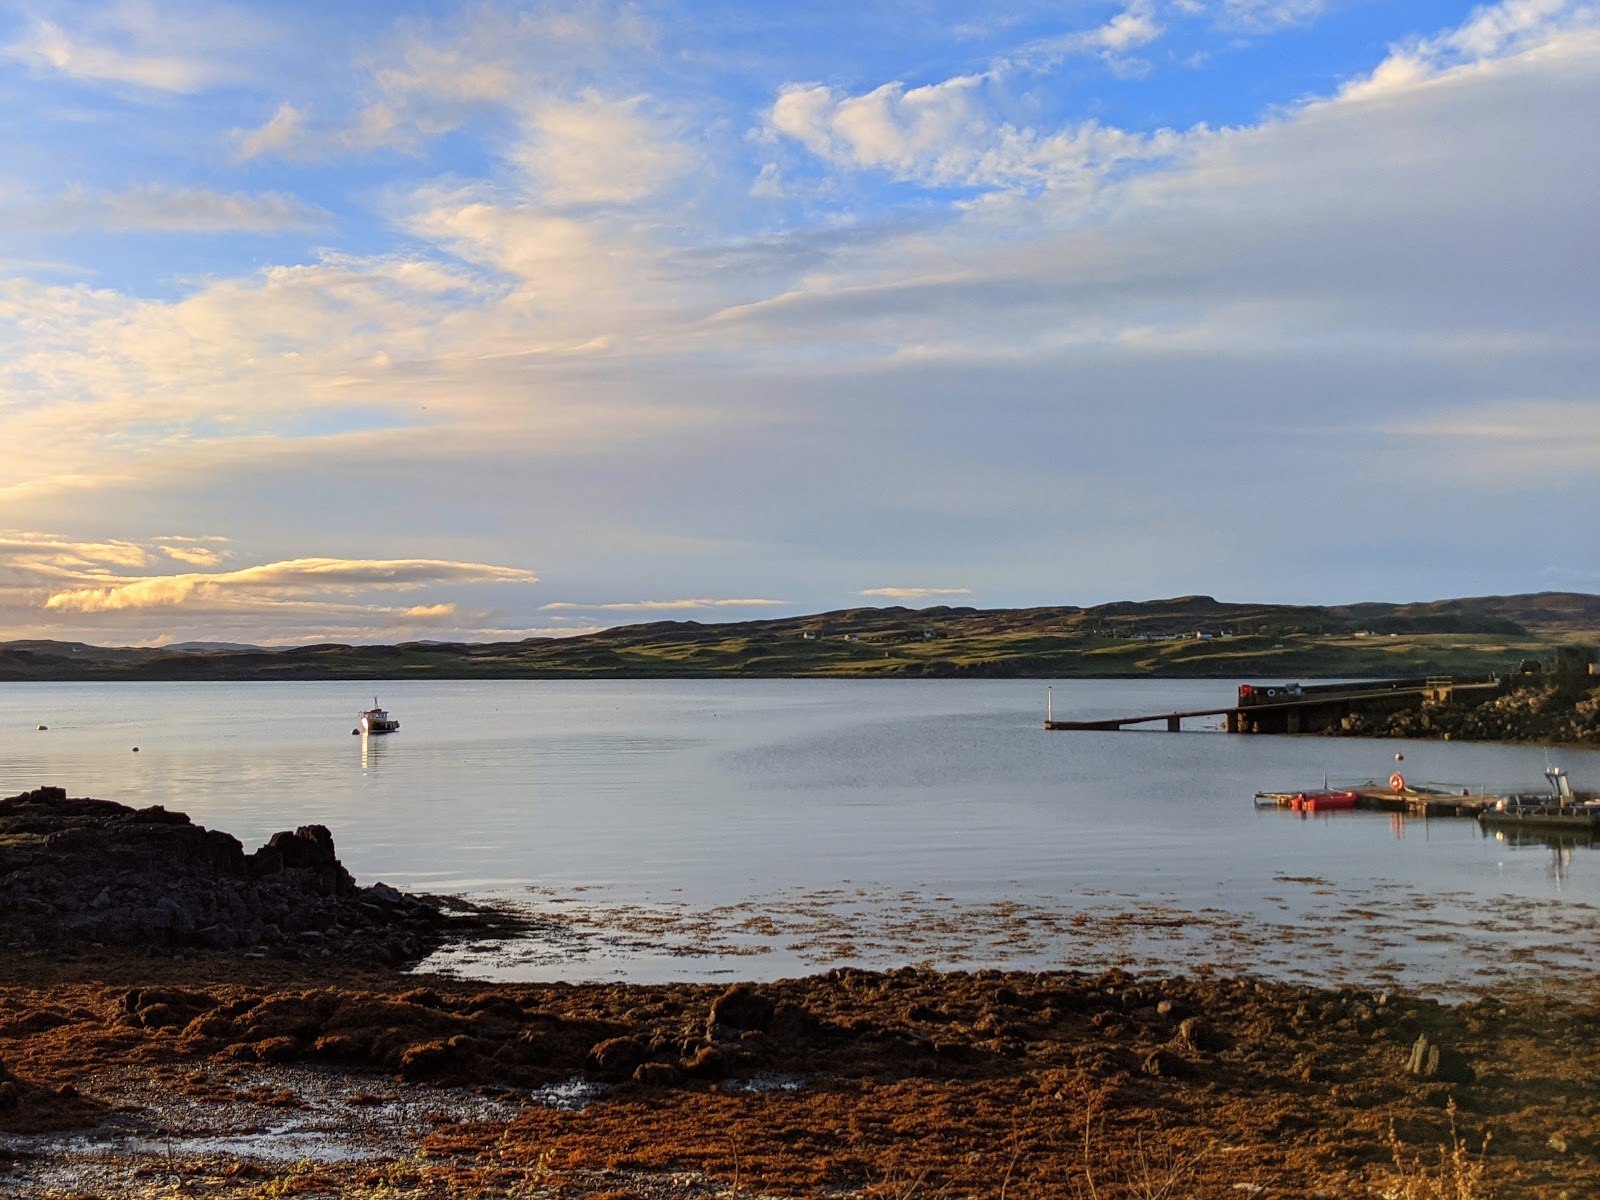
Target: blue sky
{"type": "Point", "coordinates": [383, 321]}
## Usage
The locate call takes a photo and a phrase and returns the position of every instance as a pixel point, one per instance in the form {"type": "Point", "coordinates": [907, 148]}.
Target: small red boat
{"type": "Point", "coordinates": [1315, 802]}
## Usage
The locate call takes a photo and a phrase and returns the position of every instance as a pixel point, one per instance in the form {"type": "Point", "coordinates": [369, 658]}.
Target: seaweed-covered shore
{"type": "Point", "coordinates": [155, 1066]}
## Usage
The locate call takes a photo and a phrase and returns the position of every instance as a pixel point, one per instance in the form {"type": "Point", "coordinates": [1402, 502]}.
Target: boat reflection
{"type": "Point", "coordinates": [1563, 844]}
{"type": "Point", "coordinates": [373, 749]}
{"type": "Point", "coordinates": [1556, 839]}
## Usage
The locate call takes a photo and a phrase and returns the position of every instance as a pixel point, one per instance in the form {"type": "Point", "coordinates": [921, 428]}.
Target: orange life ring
{"type": "Point", "coordinates": [1397, 782]}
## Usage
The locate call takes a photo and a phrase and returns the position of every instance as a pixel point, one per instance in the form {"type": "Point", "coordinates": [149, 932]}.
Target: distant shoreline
{"type": "Point", "coordinates": [1191, 637]}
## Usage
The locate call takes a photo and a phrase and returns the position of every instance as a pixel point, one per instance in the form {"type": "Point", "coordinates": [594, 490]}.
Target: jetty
{"type": "Point", "coordinates": [1292, 708]}
{"type": "Point", "coordinates": [1562, 812]}
{"type": "Point", "coordinates": [1419, 800]}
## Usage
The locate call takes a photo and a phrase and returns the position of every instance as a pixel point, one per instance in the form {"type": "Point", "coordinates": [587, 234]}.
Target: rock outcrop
{"type": "Point", "coordinates": [93, 871]}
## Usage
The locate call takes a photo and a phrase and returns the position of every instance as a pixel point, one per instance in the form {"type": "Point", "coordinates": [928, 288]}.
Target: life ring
{"type": "Point", "coordinates": [1397, 782]}
{"type": "Point", "coordinates": [1272, 693]}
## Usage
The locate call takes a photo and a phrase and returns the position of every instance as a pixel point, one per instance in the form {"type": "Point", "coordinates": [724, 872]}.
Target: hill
{"type": "Point", "coordinates": [1182, 636]}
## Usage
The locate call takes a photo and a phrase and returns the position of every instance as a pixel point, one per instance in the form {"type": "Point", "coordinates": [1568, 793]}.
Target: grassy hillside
{"type": "Point", "coordinates": [1467, 636]}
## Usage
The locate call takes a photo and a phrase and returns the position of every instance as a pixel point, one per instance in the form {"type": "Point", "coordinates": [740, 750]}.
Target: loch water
{"type": "Point", "coordinates": [690, 829]}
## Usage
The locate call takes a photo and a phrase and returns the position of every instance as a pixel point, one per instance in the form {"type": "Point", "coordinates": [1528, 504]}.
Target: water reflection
{"type": "Point", "coordinates": [372, 751]}
{"type": "Point", "coordinates": [1563, 844]}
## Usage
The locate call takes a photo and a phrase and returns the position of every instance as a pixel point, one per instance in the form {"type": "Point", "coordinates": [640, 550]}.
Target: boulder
{"type": "Point", "coordinates": [740, 1008]}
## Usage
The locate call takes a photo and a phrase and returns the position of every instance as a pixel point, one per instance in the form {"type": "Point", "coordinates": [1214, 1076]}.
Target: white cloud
{"type": "Point", "coordinates": [46, 47]}
{"type": "Point", "coordinates": [428, 78]}
{"type": "Point", "coordinates": [593, 150]}
{"type": "Point", "coordinates": [173, 48]}
{"type": "Point", "coordinates": [282, 135]}
{"type": "Point", "coordinates": [916, 593]}
{"type": "Point", "coordinates": [1494, 31]}
{"type": "Point", "coordinates": [946, 134]}
{"type": "Point", "coordinates": [1131, 29]}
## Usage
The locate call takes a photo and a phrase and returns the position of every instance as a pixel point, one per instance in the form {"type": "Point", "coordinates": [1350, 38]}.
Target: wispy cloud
{"type": "Point", "coordinates": [947, 134]}
{"type": "Point", "coordinates": [916, 593]}
{"type": "Point", "coordinates": [169, 48]}
{"type": "Point", "coordinates": [660, 605]}
{"type": "Point", "coordinates": [194, 551]}
{"type": "Point", "coordinates": [1135, 27]}
{"type": "Point", "coordinates": [164, 209]}
{"type": "Point", "coordinates": [46, 47]}
{"type": "Point", "coordinates": [281, 134]}
{"type": "Point", "coordinates": [1261, 16]}
{"type": "Point", "coordinates": [289, 578]}
{"type": "Point", "coordinates": [429, 78]}
{"type": "Point", "coordinates": [52, 585]}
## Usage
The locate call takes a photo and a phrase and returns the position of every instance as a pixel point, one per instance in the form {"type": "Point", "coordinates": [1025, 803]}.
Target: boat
{"type": "Point", "coordinates": [375, 720]}
{"type": "Point", "coordinates": [1311, 800]}
{"type": "Point", "coordinates": [1559, 809]}
{"type": "Point", "coordinates": [1315, 802]}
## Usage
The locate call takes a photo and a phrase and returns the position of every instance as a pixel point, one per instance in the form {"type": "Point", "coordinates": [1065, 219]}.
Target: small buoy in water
{"type": "Point", "coordinates": [43, 727]}
{"type": "Point", "coordinates": [136, 749]}
{"type": "Point", "coordinates": [355, 733]}
{"type": "Point", "coordinates": [1399, 758]}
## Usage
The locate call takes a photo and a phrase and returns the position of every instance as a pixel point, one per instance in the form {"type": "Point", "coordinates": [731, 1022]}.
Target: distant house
{"type": "Point", "coordinates": [809, 635]}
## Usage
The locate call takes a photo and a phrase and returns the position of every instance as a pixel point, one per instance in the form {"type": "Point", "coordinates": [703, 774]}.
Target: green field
{"type": "Point", "coordinates": [1191, 636]}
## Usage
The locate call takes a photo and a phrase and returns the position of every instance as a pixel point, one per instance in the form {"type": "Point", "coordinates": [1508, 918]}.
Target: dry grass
{"type": "Point", "coordinates": [1459, 1175]}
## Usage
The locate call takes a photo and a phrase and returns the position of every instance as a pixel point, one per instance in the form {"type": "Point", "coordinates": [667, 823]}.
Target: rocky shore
{"type": "Point", "coordinates": [199, 1057]}
{"type": "Point", "coordinates": [94, 873]}
{"type": "Point", "coordinates": [1557, 714]}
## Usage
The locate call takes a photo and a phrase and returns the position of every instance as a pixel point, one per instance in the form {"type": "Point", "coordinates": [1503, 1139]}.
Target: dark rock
{"type": "Point", "coordinates": [741, 1008]}
{"type": "Point", "coordinates": [1429, 1060]}
{"type": "Point", "coordinates": [102, 873]}
{"type": "Point", "coordinates": [1197, 1037]}
{"type": "Point", "coordinates": [1166, 1065]}
{"type": "Point", "coordinates": [706, 1063]}
{"type": "Point", "coordinates": [658, 1074]}
{"type": "Point", "coordinates": [618, 1057]}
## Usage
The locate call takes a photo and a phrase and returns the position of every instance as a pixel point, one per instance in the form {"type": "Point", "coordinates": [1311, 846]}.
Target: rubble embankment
{"type": "Point", "coordinates": [1557, 714]}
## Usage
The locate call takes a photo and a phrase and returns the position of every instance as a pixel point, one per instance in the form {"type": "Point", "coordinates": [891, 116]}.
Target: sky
{"type": "Point", "coordinates": [392, 321]}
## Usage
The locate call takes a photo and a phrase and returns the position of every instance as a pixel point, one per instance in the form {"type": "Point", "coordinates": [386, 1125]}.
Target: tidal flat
{"type": "Point", "coordinates": [242, 1058]}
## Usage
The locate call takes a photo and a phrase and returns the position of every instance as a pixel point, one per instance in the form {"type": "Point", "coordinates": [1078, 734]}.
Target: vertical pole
{"type": "Point", "coordinates": [1049, 705]}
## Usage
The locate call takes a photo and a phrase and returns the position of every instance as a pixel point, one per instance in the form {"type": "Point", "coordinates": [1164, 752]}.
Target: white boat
{"type": "Point", "coordinates": [375, 720]}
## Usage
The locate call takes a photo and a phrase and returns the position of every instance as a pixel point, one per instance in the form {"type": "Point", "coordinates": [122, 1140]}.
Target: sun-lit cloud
{"type": "Point", "coordinates": [50, 552]}
{"type": "Point", "coordinates": [427, 78]}
{"type": "Point", "coordinates": [594, 150]}
{"type": "Point", "coordinates": [430, 612]}
{"type": "Point", "coordinates": [288, 578]}
{"type": "Point", "coordinates": [948, 302]}
{"type": "Point", "coordinates": [915, 593]}
{"type": "Point", "coordinates": [63, 586]}
{"type": "Point", "coordinates": [193, 551]}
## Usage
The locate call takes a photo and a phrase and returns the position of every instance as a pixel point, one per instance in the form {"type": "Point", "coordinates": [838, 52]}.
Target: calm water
{"type": "Point", "coordinates": [890, 805]}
